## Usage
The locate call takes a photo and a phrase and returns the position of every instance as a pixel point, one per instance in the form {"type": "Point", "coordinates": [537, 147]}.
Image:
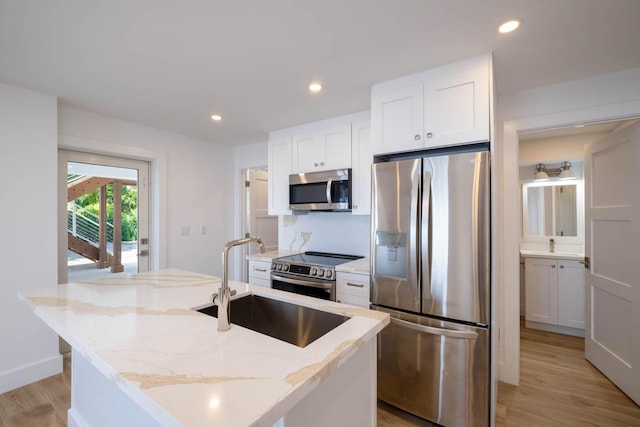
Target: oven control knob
{"type": "Point", "coordinates": [285, 267]}
{"type": "Point", "coordinates": [314, 271]}
{"type": "Point", "coordinates": [273, 266]}
{"type": "Point", "coordinates": [278, 266]}
{"type": "Point", "coordinates": [320, 273]}
{"type": "Point", "coordinates": [328, 274]}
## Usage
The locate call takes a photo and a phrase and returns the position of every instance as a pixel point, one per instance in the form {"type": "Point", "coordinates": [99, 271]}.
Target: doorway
{"type": "Point", "coordinates": [256, 220]}
{"type": "Point", "coordinates": [107, 216]}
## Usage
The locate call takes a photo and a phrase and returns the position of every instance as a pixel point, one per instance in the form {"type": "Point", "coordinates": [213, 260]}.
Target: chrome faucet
{"type": "Point", "coordinates": [224, 293]}
{"type": "Point", "coordinates": [552, 245]}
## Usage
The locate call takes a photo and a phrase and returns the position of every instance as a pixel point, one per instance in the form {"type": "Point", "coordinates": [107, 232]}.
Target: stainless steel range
{"type": "Point", "coordinates": [311, 273]}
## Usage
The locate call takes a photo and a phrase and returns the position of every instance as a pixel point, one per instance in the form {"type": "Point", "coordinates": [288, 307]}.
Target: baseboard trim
{"type": "Point", "coordinates": [74, 419]}
{"type": "Point", "coordinates": [10, 380]}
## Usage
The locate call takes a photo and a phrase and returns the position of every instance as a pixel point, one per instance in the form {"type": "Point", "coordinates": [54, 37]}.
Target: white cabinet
{"type": "Point", "coordinates": [446, 106]}
{"type": "Point", "coordinates": [260, 273]}
{"type": "Point", "coordinates": [361, 159]}
{"type": "Point", "coordinates": [279, 164]}
{"type": "Point", "coordinates": [554, 297]}
{"type": "Point", "coordinates": [352, 288]}
{"type": "Point", "coordinates": [323, 149]}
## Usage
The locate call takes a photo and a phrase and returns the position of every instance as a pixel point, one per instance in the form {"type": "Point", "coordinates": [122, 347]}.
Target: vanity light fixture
{"type": "Point", "coordinates": [566, 173]}
{"type": "Point", "coordinates": [543, 173]}
{"type": "Point", "coordinates": [216, 117]}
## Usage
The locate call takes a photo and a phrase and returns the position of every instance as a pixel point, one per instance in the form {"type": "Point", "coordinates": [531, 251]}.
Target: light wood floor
{"type": "Point", "coordinates": [558, 387]}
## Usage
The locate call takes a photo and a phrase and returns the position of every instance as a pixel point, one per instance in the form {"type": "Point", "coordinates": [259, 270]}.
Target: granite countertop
{"type": "Point", "coordinates": [140, 332]}
{"type": "Point", "coordinates": [359, 266]}
{"type": "Point", "coordinates": [546, 254]}
{"type": "Point", "coordinates": [268, 256]}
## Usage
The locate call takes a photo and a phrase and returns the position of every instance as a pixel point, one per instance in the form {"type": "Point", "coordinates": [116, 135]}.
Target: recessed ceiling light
{"type": "Point", "coordinates": [315, 87]}
{"type": "Point", "coordinates": [509, 26]}
{"type": "Point", "coordinates": [216, 117]}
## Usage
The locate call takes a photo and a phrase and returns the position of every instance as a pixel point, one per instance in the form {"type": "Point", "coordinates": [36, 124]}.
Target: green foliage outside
{"type": "Point", "coordinates": [91, 202]}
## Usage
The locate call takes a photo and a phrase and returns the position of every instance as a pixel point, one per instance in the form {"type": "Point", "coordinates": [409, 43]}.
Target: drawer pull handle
{"type": "Point", "coordinates": [356, 285]}
{"type": "Point", "coordinates": [262, 270]}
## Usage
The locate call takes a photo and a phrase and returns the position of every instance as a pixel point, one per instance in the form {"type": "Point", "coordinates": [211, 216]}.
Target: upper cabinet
{"type": "Point", "coordinates": [322, 149]}
{"type": "Point", "coordinates": [279, 165]}
{"type": "Point", "coordinates": [339, 143]}
{"type": "Point", "coordinates": [447, 106]}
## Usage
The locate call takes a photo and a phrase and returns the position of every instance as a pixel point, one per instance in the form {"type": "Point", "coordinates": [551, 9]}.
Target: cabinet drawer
{"type": "Point", "coordinates": [260, 269]}
{"type": "Point", "coordinates": [260, 282]}
{"type": "Point", "coordinates": [352, 299]}
{"type": "Point", "coordinates": [353, 284]}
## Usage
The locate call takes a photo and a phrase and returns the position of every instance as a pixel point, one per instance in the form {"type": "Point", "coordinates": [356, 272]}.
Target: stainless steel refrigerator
{"type": "Point", "coordinates": [430, 257]}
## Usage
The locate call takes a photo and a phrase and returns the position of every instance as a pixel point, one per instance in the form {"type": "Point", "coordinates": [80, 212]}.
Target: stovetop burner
{"type": "Point", "coordinates": [318, 258]}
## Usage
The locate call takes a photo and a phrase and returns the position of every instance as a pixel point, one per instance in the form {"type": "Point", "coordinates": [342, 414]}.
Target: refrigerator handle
{"type": "Point", "coordinates": [426, 236]}
{"type": "Point", "coordinates": [465, 335]}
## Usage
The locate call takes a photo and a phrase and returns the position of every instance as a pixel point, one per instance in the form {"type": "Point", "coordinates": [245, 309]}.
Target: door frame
{"type": "Point", "coordinates": [508, 221]}
{"type": "Point", "coordinates": [157, 196]}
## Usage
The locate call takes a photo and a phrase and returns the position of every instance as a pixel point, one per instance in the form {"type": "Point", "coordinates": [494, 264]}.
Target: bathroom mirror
{"type": "Point", "coordinates": [551, 209]}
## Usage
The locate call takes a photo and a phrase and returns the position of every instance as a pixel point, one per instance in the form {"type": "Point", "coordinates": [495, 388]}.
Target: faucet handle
{"type": "Point", "coordinates": [213, 297]}
{"type": "Point", "coordinates": [233, 292]}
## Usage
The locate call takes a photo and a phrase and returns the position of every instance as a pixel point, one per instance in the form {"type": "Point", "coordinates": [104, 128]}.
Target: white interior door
{"type": "Point", "coordinates": [259, 222]}
{"type": "Point", "coordinates": [612, 176]}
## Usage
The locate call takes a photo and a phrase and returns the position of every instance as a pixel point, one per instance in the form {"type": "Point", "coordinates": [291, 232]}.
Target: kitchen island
{"type": "Point", "coordinates": [143, 356]}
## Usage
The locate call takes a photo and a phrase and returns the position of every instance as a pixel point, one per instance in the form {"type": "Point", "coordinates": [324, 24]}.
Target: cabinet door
{"type": "Point", "coordinates": [571, 306]}
{"type": "Point", "coordinates": [361, 167]}
{"type": "Point", "coordinates": [396, 119]}
{"type": "Point", "coordinates": [541, 284]}
{"type": "Point", "coordinates": [456, 109]}
{"type": "Point", "coordinates": [337, 148]}
{"type": "Point", "coordinates": [307, 152]}
{"type": "Point", "coordinates": [279, 164]}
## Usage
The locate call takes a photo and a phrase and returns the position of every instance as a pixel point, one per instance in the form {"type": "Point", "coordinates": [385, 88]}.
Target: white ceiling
{"type": "Point", "coordinates": [171, 64]}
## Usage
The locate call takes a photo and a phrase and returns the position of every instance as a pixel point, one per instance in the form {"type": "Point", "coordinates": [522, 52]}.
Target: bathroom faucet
{"type": "Point", "coordinates": [224, 293]}
{"type": "Point", "coordinates": [552, 245]}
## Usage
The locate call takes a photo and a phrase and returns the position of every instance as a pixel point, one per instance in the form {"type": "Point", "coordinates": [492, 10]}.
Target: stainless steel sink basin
{"type": "Point", "coordinates": [282, 320]}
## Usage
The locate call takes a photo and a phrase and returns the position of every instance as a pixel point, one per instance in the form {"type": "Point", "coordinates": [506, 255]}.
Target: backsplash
{"type": "Point", "coordinates": [337, 232]}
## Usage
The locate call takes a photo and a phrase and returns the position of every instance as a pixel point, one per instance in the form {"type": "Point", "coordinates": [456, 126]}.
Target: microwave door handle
{"type": "Point", "coordinates": [329, 184]}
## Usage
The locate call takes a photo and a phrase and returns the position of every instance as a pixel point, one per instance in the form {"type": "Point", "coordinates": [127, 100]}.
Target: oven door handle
{"type": "Point", "coordinates": [301, 282]}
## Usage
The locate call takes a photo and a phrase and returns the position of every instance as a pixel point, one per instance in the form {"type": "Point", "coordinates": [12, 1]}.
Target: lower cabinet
{"type": "Point", "coordinates": [260, 273]}
{"type": "Point", "coordinates": [554, 295]}
{"type": "Point", "coordinates": [352, 288]}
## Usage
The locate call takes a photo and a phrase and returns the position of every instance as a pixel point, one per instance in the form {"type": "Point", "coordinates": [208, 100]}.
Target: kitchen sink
{"type": "Point", "coordinates": [285, 321]}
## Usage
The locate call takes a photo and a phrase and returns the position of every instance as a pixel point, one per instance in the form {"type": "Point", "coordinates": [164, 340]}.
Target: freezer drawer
{"type": "Point", "coordinates": [436, 370]}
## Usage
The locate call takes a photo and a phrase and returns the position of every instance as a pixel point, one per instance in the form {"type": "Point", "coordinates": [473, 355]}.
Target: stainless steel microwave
{"type": "Point", "coordinates": [321, 191]}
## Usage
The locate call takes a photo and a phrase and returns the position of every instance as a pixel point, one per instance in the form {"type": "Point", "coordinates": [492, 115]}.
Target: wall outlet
{"type": "Point", "coordinates": [203, 230]}
{"type": "Point", "coordinates": [184, 230]}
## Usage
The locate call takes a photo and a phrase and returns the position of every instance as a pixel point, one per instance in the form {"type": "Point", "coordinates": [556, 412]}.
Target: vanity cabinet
{"type": "Point", "coordinates": [447, 106]}
{"type": "Point", "coordinates": [279, 166]}
{"type": "Point", "coordinates": [352, 288]}
{"type": "Point", "coordinates": [554, 295]}
{"type": "Point", "coordinates": [260, 273]}
{"type": "Point", "coordinates": [323, 149]}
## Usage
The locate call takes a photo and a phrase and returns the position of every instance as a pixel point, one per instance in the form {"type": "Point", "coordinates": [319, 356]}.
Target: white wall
{"type": "Point", "coordinates": [608, 97]}
{"type": "Point", "coordinates": [337, 232]}
{"type": "Point", "coordinates": [198, 182]}
{"type": "Point", "coordinates": [29, 349]}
